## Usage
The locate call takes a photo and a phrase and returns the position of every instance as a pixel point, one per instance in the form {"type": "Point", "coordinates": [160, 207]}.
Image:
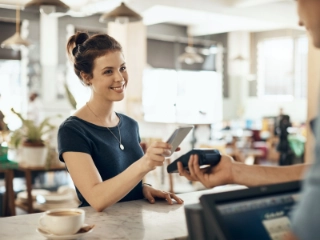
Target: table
{"type": "Point", "coordinates": [126, 220]}
{"type": "Point", "coordinates": [27, 171]}
{"type": "Point", "coordinates": [9, 203]}
{"type": "Point", "coordinates": [7, 167]}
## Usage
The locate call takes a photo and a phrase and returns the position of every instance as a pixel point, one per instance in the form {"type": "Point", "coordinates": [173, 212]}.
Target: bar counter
{"type": "Point", "coordinates": [127, 220]}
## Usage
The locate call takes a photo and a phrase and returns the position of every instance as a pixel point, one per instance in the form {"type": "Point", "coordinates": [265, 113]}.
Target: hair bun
{"type": "Point", "coordinates": [75, 50]}
{"type": "Point", "coordinates": [81, 37]}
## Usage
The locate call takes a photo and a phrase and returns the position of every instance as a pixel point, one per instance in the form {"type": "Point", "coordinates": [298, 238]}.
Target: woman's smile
{"type": "Point", "coordinates": [118, 89]}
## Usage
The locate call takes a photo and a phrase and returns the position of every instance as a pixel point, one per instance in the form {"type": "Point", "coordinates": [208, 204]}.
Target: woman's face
{"type": "Point", "coordinates": [110, 76]}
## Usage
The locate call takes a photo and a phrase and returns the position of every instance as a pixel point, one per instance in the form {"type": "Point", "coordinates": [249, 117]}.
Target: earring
{"type": "Point", "coordinates": [88, 83]}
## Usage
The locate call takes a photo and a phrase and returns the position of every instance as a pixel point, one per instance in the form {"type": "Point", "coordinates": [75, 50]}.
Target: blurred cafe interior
{"type": "Point", "coordinates": [240, 71]}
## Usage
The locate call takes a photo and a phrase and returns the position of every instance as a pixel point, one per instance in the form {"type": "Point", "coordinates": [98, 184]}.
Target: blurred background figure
{"type": "Point", "coordinates": [286, 154]}
{"type": "Point", "coordinates": [277, 122]}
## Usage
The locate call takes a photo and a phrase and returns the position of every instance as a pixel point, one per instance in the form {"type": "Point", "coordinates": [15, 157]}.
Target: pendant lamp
{"type": "Point", "coordinates": [16, 41]}
{"type": "Point", "coordinates": [121, 14]}
{"type": "Point", "coordinates": [190, 56]}
{"type": "Point", "coordinates": [47, 6]}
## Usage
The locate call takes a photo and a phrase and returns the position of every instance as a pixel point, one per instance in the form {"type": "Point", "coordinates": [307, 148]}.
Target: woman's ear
{"type": "Point", "coordinates": [85, 78]}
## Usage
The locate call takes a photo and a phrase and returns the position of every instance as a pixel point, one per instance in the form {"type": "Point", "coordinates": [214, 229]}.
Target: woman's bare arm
{"type": "Point", "coordinates": [102, 194]}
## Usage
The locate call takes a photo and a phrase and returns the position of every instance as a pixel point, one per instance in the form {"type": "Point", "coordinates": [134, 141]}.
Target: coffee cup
{"type": "Point", "coordinates": [64, 221]}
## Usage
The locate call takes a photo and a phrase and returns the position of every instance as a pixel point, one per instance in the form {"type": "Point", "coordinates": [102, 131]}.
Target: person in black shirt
{"type": "Point", "coordinates": [101, 148]}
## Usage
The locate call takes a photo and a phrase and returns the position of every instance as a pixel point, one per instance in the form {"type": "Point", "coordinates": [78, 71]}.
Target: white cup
{"type": "Point", "coordinates": [63, 221]}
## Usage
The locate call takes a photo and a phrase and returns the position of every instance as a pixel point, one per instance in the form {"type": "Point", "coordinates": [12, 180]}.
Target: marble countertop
{"type": "Point", "coordinates": [126, 220]}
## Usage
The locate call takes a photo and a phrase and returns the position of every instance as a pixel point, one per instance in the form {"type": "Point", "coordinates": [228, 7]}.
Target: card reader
{"type": "Point", "coordinates": [206, 157]}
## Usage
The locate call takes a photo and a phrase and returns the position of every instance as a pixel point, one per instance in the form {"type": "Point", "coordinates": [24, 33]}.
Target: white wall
{"type": "Point", "coordinates": [256, 108]}
{"type": "Point", "coordinates": [239, 105]}
{"type": "Point", "coordinates": [232, 104]}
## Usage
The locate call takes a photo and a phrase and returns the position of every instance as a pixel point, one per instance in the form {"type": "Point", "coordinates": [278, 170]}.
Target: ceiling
{"type": "Point", "coordinates": [202, 17]}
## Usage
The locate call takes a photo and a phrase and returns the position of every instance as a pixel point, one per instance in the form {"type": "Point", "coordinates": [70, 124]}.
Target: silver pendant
{"type": "Point", "coordinates": [121, 146]}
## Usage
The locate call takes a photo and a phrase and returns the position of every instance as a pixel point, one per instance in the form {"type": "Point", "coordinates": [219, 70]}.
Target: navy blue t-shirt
{"type": "Point", "coordinates": [77, 135]}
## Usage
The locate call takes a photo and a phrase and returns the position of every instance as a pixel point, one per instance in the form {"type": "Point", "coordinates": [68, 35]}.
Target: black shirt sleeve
{"type": "Point", "coordinates": [72, 139]}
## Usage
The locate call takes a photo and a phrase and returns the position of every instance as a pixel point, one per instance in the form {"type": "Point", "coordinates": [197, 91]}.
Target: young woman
{"type": "Point", "coordinates": [101, 148]}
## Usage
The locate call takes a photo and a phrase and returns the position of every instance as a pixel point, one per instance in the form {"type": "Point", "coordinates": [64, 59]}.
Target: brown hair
{"type": "Point", "coordinates": [83, 50]}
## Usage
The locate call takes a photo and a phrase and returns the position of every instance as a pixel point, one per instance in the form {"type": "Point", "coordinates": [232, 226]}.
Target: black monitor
{"type": "Point", "coordinates": [256, 213]}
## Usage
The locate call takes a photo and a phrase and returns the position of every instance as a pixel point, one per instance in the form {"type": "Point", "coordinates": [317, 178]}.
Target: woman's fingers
{"type": "Point", "coordinates": [160, 145]}
{"type": "Point", "coordinates": [175, 197]}
{"type": "Point", "coordinates": [169, 196]}
{"type": "Point", "coordinates": [159, 151]}
{"type": "Point", "coordinates": [156, 157]}
{"type": "Point", "coordinates": [163, 195]}
{"type": "Point", "coordinates": [148, 196]}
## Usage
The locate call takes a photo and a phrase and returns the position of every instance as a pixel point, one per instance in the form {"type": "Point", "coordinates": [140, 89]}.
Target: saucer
{"type": "Point", "coordinates": [24, 195]}
{"type": "Point", "coordinates": [63, 237]}
{"type": "Point", "coordinates": [58, 197]}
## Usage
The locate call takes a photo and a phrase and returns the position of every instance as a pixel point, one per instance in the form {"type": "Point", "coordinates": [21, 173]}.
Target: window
{"type": "Point", "coordinates": [11, 91]}
{"type": "Point", "coordinates": [282, 68]}
{"type": "Point", "coordinates": [191, 97]}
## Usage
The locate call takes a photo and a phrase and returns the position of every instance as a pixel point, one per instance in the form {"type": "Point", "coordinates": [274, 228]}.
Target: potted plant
{"type": "Point", "coordinates": [14, 145]}
{"type": "Point", "coordinates": [34, 150]}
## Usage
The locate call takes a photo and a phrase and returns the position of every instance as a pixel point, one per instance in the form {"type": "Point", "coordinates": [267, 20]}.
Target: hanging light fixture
{"type": "Point", "coordinates": [47, 6]}
{"type": "Point", "coordinates": [16, 41]}
{"type": "Point", "coordinates": [190, 56]}
{"type": "Point", "coordinates": [121, 14]}
{"type": "Point", "coordinates": [239, 58]}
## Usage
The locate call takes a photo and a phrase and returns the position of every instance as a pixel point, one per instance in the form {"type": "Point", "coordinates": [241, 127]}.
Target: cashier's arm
{"type": "Point", "coordinates": [230, 172]}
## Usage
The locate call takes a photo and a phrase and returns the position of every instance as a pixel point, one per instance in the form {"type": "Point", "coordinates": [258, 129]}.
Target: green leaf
{"type": "Point", "coordinates": [71, 98]}
{"type": "Point", "coordinates": [32, 132]}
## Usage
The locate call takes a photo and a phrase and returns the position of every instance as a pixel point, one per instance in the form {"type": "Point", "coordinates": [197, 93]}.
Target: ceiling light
{"type": "Point", "coordinates": [205, 51]}
{"type": "Point", "coordinates": [239, 58]}
{"type": "Point", "coordinates": [214, 49]}
{"type": "Point", "coordinates": [47, 6]}
{"type": "Point", "coordinates": [121, 14]}
{"type": "Point", "coordinates": [190, 55]}
{"type": "Point", "coordinates": [16, 41]}
{"type": "Point", "coordinates": [190, 58]}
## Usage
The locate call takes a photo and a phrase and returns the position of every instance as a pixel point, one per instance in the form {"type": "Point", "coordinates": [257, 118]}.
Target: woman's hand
{"type": "Point", "coordinates": [150, 194]}
{"type": "Point", "coordinates": [210, 177]}
{"type": "Point", "coordinates": [154, 156]}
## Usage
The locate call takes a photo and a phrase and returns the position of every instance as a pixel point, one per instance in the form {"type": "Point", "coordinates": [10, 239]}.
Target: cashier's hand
{"type": "Point", "coordinates": [210, 177]}
{"type": "Point", "coordinates": [151, 194]}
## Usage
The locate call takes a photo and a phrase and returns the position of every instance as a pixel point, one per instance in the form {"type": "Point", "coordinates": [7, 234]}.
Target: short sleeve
{"type": "Point", "coordinates": [72, 139]}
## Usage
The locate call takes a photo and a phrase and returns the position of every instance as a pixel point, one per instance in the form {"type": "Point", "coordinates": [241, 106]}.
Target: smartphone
{"type": "Point", "coordinates": [177, 137]}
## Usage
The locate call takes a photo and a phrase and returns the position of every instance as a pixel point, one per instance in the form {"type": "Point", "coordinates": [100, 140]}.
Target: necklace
{"type": "Point", "coordinates": [120, 144]}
